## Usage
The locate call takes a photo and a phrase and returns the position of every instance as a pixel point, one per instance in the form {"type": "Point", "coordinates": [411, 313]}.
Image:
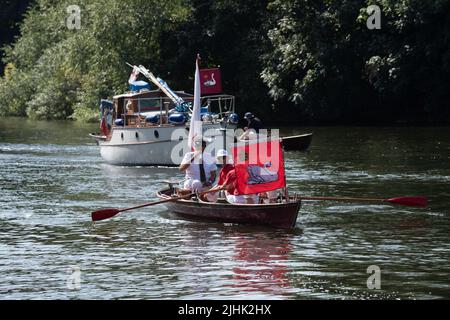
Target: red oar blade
{"type": "Point", "coordinates": [410, 201]}
{"type": "Point", "coordinates": [104, 214]}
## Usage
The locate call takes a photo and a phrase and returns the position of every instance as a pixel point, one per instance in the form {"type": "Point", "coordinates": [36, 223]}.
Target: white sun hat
{"type": "Point", "coordinates": [222, 153]}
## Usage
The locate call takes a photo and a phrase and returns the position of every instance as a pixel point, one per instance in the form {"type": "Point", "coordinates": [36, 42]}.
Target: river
{"type": "Point", "coordinates": [52, 177]}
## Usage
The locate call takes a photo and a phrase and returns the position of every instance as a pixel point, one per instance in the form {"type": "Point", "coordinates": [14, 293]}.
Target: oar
{"type": "Point", "coordinates": [404, 201]}
{"type": "Point", "coordinates": [111, 212]}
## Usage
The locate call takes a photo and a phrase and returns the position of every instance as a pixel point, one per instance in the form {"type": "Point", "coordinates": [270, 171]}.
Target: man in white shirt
{"type": "Point", "coordinates": [200, 168]}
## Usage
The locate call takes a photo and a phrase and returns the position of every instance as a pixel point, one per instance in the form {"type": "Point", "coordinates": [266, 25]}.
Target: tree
{"type": "Point", "coordinates": [408, 62]}
{"type": "Point", "coordinates": [330, 67]}
{"type": "Point", "coordinates": [65, 72]}
{"type": "Point", "coordinates": [308, 60]}
{"type": "Point", "coordinates": [231, 34]}
{"type": "Point", "coordinates": [11, 14]}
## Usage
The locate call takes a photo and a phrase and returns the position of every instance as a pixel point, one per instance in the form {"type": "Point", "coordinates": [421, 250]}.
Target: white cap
{"type": "Point", "coordinates": [222, 153]}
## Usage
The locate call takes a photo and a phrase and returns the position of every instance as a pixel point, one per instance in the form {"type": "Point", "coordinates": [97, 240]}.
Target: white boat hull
{"type": "Point", "coordinates": [154, 146]}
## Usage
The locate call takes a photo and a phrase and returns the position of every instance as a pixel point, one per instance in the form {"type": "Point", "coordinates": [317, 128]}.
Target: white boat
{"type": "Point", "coordinates": [150, 128]}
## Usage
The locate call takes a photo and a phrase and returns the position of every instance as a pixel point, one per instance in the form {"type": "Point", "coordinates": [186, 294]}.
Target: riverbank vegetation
{"type": "Point", "coordinates": [289, 61]}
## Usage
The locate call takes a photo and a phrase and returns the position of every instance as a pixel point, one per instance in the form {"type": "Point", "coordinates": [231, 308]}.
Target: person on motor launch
{"type": "Point", "coordinates": [253, 122]}
{"type": "Point", "coordinates": [200, 168]}
{"type": "Point", "coordinates": [251, 132]}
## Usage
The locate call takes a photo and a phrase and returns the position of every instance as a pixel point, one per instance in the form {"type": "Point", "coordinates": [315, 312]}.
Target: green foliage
{"type": "Point", "coordinates": [11, 13]}
{"type": "Point", "coordinates": [227, 33]}
{"type": "Point", "coordinates": [332, 67]}
{"type": "Point", "coordinates": [309, 60]}
{"type": "Point", "coordinates": [15, 90]}
{"type": "Point", "coordinates": [408, 63]}
{"type": "Point", "coordinates": [63, 73]}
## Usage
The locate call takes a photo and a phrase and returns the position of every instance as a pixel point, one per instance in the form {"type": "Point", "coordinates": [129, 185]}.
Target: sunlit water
{"type": "Point", "coordinates": [52, 177]}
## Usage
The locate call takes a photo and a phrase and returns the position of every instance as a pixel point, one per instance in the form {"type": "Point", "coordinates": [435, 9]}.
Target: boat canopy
{"type": "Point", "coordinates": [139, 85]}
{"type": "Point", "coordinates": [105, 104]}
{"type": "Point", "coordinates": [147, 94]}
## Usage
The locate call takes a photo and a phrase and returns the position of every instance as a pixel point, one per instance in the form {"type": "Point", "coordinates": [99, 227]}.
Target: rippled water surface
{"type": "Point", "coordinates": [52, 177]}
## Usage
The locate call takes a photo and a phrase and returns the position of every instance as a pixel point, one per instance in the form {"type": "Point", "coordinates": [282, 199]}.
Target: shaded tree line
{"type": "Point", "coordinates": [11, 13]}
{"type": "Point", "coordinates": [327, 62]}
{"type": "Point", "coordinates": [290, 61]}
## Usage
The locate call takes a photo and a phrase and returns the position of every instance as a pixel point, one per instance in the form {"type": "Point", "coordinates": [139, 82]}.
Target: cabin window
{"type": "Point", "coordinates": [149, 104]}
{"type": "Point", "coordinates": [119, 107]}
{"type": "Point", "coordinates": [156, 134]}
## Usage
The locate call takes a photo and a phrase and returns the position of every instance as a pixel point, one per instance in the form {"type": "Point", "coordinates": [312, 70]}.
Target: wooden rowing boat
{"type": "Point", "coordinates": [278, 215]}
{"type": "Point", "coordinates": [298, 143]}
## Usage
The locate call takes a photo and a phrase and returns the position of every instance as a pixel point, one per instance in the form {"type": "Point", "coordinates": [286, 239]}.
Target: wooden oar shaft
{"type": "Point", "coordinates": [169, 200]}
{"type": "Point", "coordinates": [157, 202]}
{"type": "Point", "coordinates": [297, 136]}
{"type": "Point", "coordinates": [111, 212]}
{"type": "Point", "coordinates": [343, 199]}
{"type": "Point", "coordinates": [404, 201]}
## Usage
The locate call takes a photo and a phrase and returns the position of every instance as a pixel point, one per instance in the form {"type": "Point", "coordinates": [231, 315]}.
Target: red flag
{"type": "Point", "coordinates": [103, 126]}
{"type": "Point", "coordinates": [259, 167]}
{"type": "Point", "coordinates": [211, 81]}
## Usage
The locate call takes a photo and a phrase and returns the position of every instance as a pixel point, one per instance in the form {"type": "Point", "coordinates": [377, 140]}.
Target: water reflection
{"type": "Point", "coordinates": [261, 265]}
{"type": "Point", "coordinates": [52, 177]}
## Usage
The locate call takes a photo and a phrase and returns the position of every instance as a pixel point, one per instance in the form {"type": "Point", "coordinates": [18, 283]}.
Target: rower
{"type": "Point", "coordinates": [200, 168]}
{"type": "Point", "coordinates": [223, 159]}
{"type": "Point", "coordinates": [233, 196]}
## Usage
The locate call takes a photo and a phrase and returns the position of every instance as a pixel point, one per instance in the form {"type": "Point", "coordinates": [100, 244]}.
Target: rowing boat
{"type": "Point", "coordinates": [278, 215]}
{"type": "Point", "coordinates": [298, 143]}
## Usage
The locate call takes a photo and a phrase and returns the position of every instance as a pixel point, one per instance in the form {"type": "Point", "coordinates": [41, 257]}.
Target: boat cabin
{"type": "Point", "coordinates": [153, 108]}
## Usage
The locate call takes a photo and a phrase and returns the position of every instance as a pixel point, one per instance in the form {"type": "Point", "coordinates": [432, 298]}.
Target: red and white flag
{"type": "Point", "coordinates": [195, 127]}
{"type": "Point", "coordinates": [134, 75]}
{"type": "Point", "coordinates": [259, 167]}
{"type": "Point", "coordinates": [211, 81]}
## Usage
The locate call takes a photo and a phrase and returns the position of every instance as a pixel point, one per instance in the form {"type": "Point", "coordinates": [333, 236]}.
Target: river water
{"type": "Point", "coordinates": [52, 177]}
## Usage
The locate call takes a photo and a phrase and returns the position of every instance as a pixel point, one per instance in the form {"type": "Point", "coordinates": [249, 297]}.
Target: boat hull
{"type": "Point", "coordinates": [297, 143]}
{"type": "Point", "coordinates": [154, 146]}
{"type": "Point", "coordinates": [277, 215]}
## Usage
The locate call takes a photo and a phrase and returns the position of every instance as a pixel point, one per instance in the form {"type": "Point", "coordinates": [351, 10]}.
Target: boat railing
{"type": "Point", "coordinates": [224, 103]}
{"type": "Point", "coordinates": [137, 110]}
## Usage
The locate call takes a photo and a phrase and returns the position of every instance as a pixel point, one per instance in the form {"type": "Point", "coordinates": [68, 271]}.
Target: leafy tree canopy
{"type": "Point", "coordinates": [308, 60]}
{"type": "Point", "coordinates": [57, 72]}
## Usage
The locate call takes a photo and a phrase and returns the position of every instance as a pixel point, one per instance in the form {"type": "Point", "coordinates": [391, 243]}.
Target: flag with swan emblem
{"type": "Point", "coordinates": [211, 81]}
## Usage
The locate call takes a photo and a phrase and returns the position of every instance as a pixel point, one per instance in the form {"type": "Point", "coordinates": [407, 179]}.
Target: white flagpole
{"type": "Point", "coordinates": [195, 129]}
